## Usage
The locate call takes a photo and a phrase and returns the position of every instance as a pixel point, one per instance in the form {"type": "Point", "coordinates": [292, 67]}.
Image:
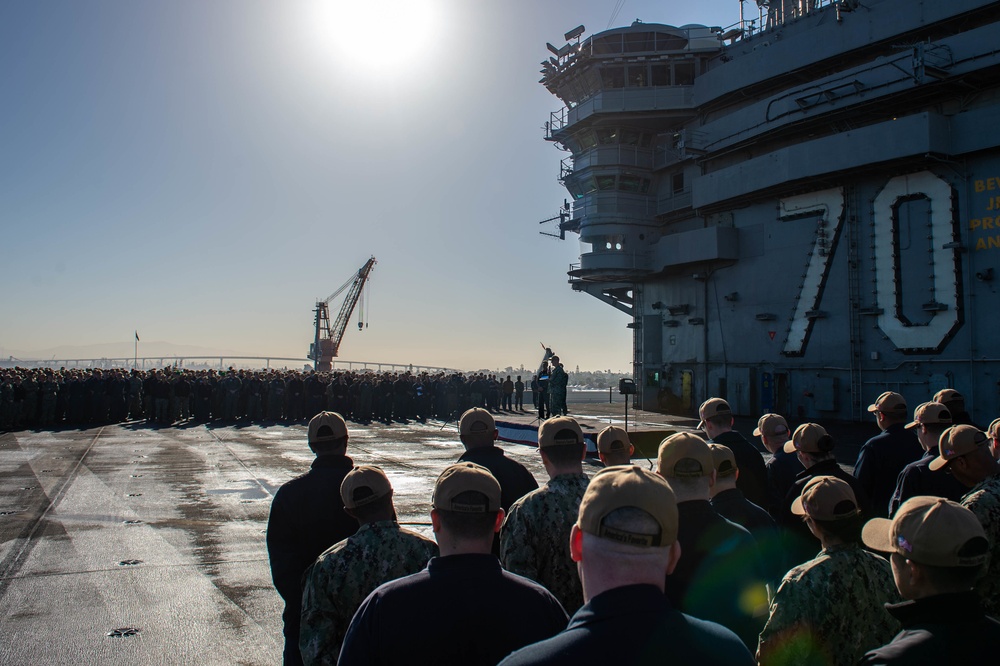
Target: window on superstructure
{"type": "Point", "coordinates": [587, 140]}
{"type": "Point", "coordinates": [635, 184]}
{"type": "Point", "coordinates": [637, 76]}
{"type": "Point", "coordinates": [666, 42]}
{"type": "Point", "coordinates": [677, 182]}
{"type": "Point", "coordinates": [605, 182]}
{"type": "Point", "coordinates": [574, 187]}
{"type": "Point", "coordinates": [613, 77]}
{"type": "Point", "coordinates": [659, 75]}
{"type": "Point", "coordinates": [630, 137]}
{"type": "Point", "coordinates": [684, 73]}
{"type": "Point", "coordinates": [607, 45]}
{"type": "Point", "coordinates": [637, 42]}
{"type": "Point", "coordinates": [607, 137]}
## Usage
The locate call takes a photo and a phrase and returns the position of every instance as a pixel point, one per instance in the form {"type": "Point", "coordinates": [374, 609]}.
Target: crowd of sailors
{"type": "Point", "coordinates": [717, 557]}
{"type": "Point", "coordinates": [46, 398]}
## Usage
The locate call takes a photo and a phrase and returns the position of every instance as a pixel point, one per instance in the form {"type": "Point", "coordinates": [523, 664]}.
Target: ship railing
{"type": "Point", "coordinates": [764, 16]}
{"type": "Point", "coordinates": [565, 168]}
{"type": "Point", "coordinates": [557, 120]}
{"type": "Point", "coordinates": [214, 362]}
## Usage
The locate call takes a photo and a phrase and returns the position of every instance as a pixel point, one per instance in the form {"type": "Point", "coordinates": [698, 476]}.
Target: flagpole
{"type": "Point", "coordinates": [135, 359]}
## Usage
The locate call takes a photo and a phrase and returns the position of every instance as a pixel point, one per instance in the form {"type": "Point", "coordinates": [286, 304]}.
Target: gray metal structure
{"type": "Point", "coordinates": [799, 212]}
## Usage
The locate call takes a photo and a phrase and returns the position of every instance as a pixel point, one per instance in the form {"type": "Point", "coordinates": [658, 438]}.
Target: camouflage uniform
{"type": "Point", "coordinates": [345, 574]}
{"type": "Point", "coordinates": [534, 542]}
{"type": "Point", "coordinates": [984, 501]}
{"type": "Point", "coordinates": [830, 610]}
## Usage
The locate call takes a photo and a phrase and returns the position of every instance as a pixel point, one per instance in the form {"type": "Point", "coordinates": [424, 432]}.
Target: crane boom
{"type": "Point", "coordinates": [328, 337]}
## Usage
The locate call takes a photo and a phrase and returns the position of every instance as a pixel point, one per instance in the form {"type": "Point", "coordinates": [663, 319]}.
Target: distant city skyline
{"type": "Point", "coordinates": [204, 172]}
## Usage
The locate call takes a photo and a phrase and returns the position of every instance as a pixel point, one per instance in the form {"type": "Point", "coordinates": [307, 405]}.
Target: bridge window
{"type": "Point", "coordinates": [607, 45]}
{"type": "Point", "coordinates": [667, 42]}
{"type": "Point", "coordinates": [587, 140]}
{"type": "Point", "coordinates": [684, 73]}
{"type": "Point", "coordinates": [677, 182]}
{"type": "Point", "coordinates": [635, 184]}
{"type": "Point", "coordinates": [636, 42]}
{"type": "Point", "coordinates": [605, 182]}
{"type": "Point", "coordinates": [632, 137]}
{"type": "Point", "coordinates": [607, 137]}
{"type": "Point", "coordinates": [637, 76]}
{"type": "Point", "coordinates": [612, 77]}
{"type": "Point", "coordinates": [660, 75]}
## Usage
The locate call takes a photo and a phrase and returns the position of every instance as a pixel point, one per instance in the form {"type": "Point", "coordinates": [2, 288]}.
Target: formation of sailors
{"type": "Point", "coordinates": [715, 558]}
{"type": "Point", "coordinates": [47, 398]}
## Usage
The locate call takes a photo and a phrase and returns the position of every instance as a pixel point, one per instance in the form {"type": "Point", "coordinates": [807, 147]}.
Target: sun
{"type": "Point", "coordinates": [374, 38]}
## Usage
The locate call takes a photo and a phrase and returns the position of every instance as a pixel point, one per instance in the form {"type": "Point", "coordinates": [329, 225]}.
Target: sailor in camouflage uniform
{"type": "Point", "coordinates": [534, 541]}
{"type": "Point", "coordinates": [558, 380]}
{"type": "Point", "coordinates": [965, 450]}
{"type": "Point", "coordinates": [348, 571]}
{"type": "Point", "coordinates": [830, 610]}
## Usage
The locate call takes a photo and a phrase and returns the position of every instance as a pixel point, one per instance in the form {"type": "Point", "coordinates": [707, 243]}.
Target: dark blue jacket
{"type": "Point", "coordinates": [635, 625]}
{"type": "Point", "coordinates": [943, 629]}
{"type": "Point", "coordinates": [881, 460]}
{"type": "Point", "coordinates": [461, 609]}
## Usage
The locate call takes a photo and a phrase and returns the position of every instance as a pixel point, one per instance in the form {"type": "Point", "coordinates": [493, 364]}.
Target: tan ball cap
{"type": "Point", "coordinates": [629, 486]}
{"type": "Point", "coordinates": [809, 438]}
{"type": "Point", "coordinates": [684, 455]}
{"type": "Point", "coordinates": [723, 460]}
{"type": "Point", "coordinates": [889, 403]}
{"type": "Point", "coordinates": [826, 498]}
{"type": "Point", "coordinates": [559, 431]}
{"type": "Point", "coordinates": [932, 531]}
{"type": "Point", "coordinates": [713, 407]}
{"type": "Point", "coordinates": [930, 412]}
{"type": "Point", "coordinates": [957, 441]}
{"type": "Point", "coordinates": [360, 478]}
{"type": "Point", "coordinates": [327, 426]}
{"type": "Point", "coordinates": [611, 439]}
{"type": "Point", "coordinates": [466, 477]}
{"type": "Point", "coordinates": [476, 421]}
{"type": "Point", "coordinates": [771, 425]}
{"type": "Point", "coordinates": [948, 395]}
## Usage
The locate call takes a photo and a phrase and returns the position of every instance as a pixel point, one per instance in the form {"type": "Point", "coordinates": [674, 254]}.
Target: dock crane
{"type": "Point", "coordinates": [327, 342]}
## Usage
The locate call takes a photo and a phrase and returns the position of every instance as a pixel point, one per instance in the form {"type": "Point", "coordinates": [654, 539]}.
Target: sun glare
{"type": "Point", "coordinates": [374, 38]}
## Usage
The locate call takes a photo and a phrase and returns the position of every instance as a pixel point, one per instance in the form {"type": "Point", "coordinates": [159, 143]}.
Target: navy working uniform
{"type": "Point", "coordinates": [881, 460]}
{"type": "Point", "coordinates": [307, 517]}
{"type": "Point", "coordinates": [461, 609]}
{"type": "Point", "coordinates": [753, 473]}
{"type": "Point", "coordinates": [635, 625]}
{"type": "Point", "coordinates": [719, 576]}
{"type": "Point", "coordinates": [941, 629]}
{"type": "Point", "coordinates": [515, 479]}
{"type": "Point", "coordinates": [918, 479]}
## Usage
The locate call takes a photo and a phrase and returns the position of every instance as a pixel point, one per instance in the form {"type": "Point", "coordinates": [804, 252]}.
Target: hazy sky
{"type": "Point", "coordinates": [203, 171]}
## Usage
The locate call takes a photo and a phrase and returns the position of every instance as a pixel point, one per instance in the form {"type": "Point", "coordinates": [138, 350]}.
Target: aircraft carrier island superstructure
{"type": "Point", "coordinates": [799, 212]}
